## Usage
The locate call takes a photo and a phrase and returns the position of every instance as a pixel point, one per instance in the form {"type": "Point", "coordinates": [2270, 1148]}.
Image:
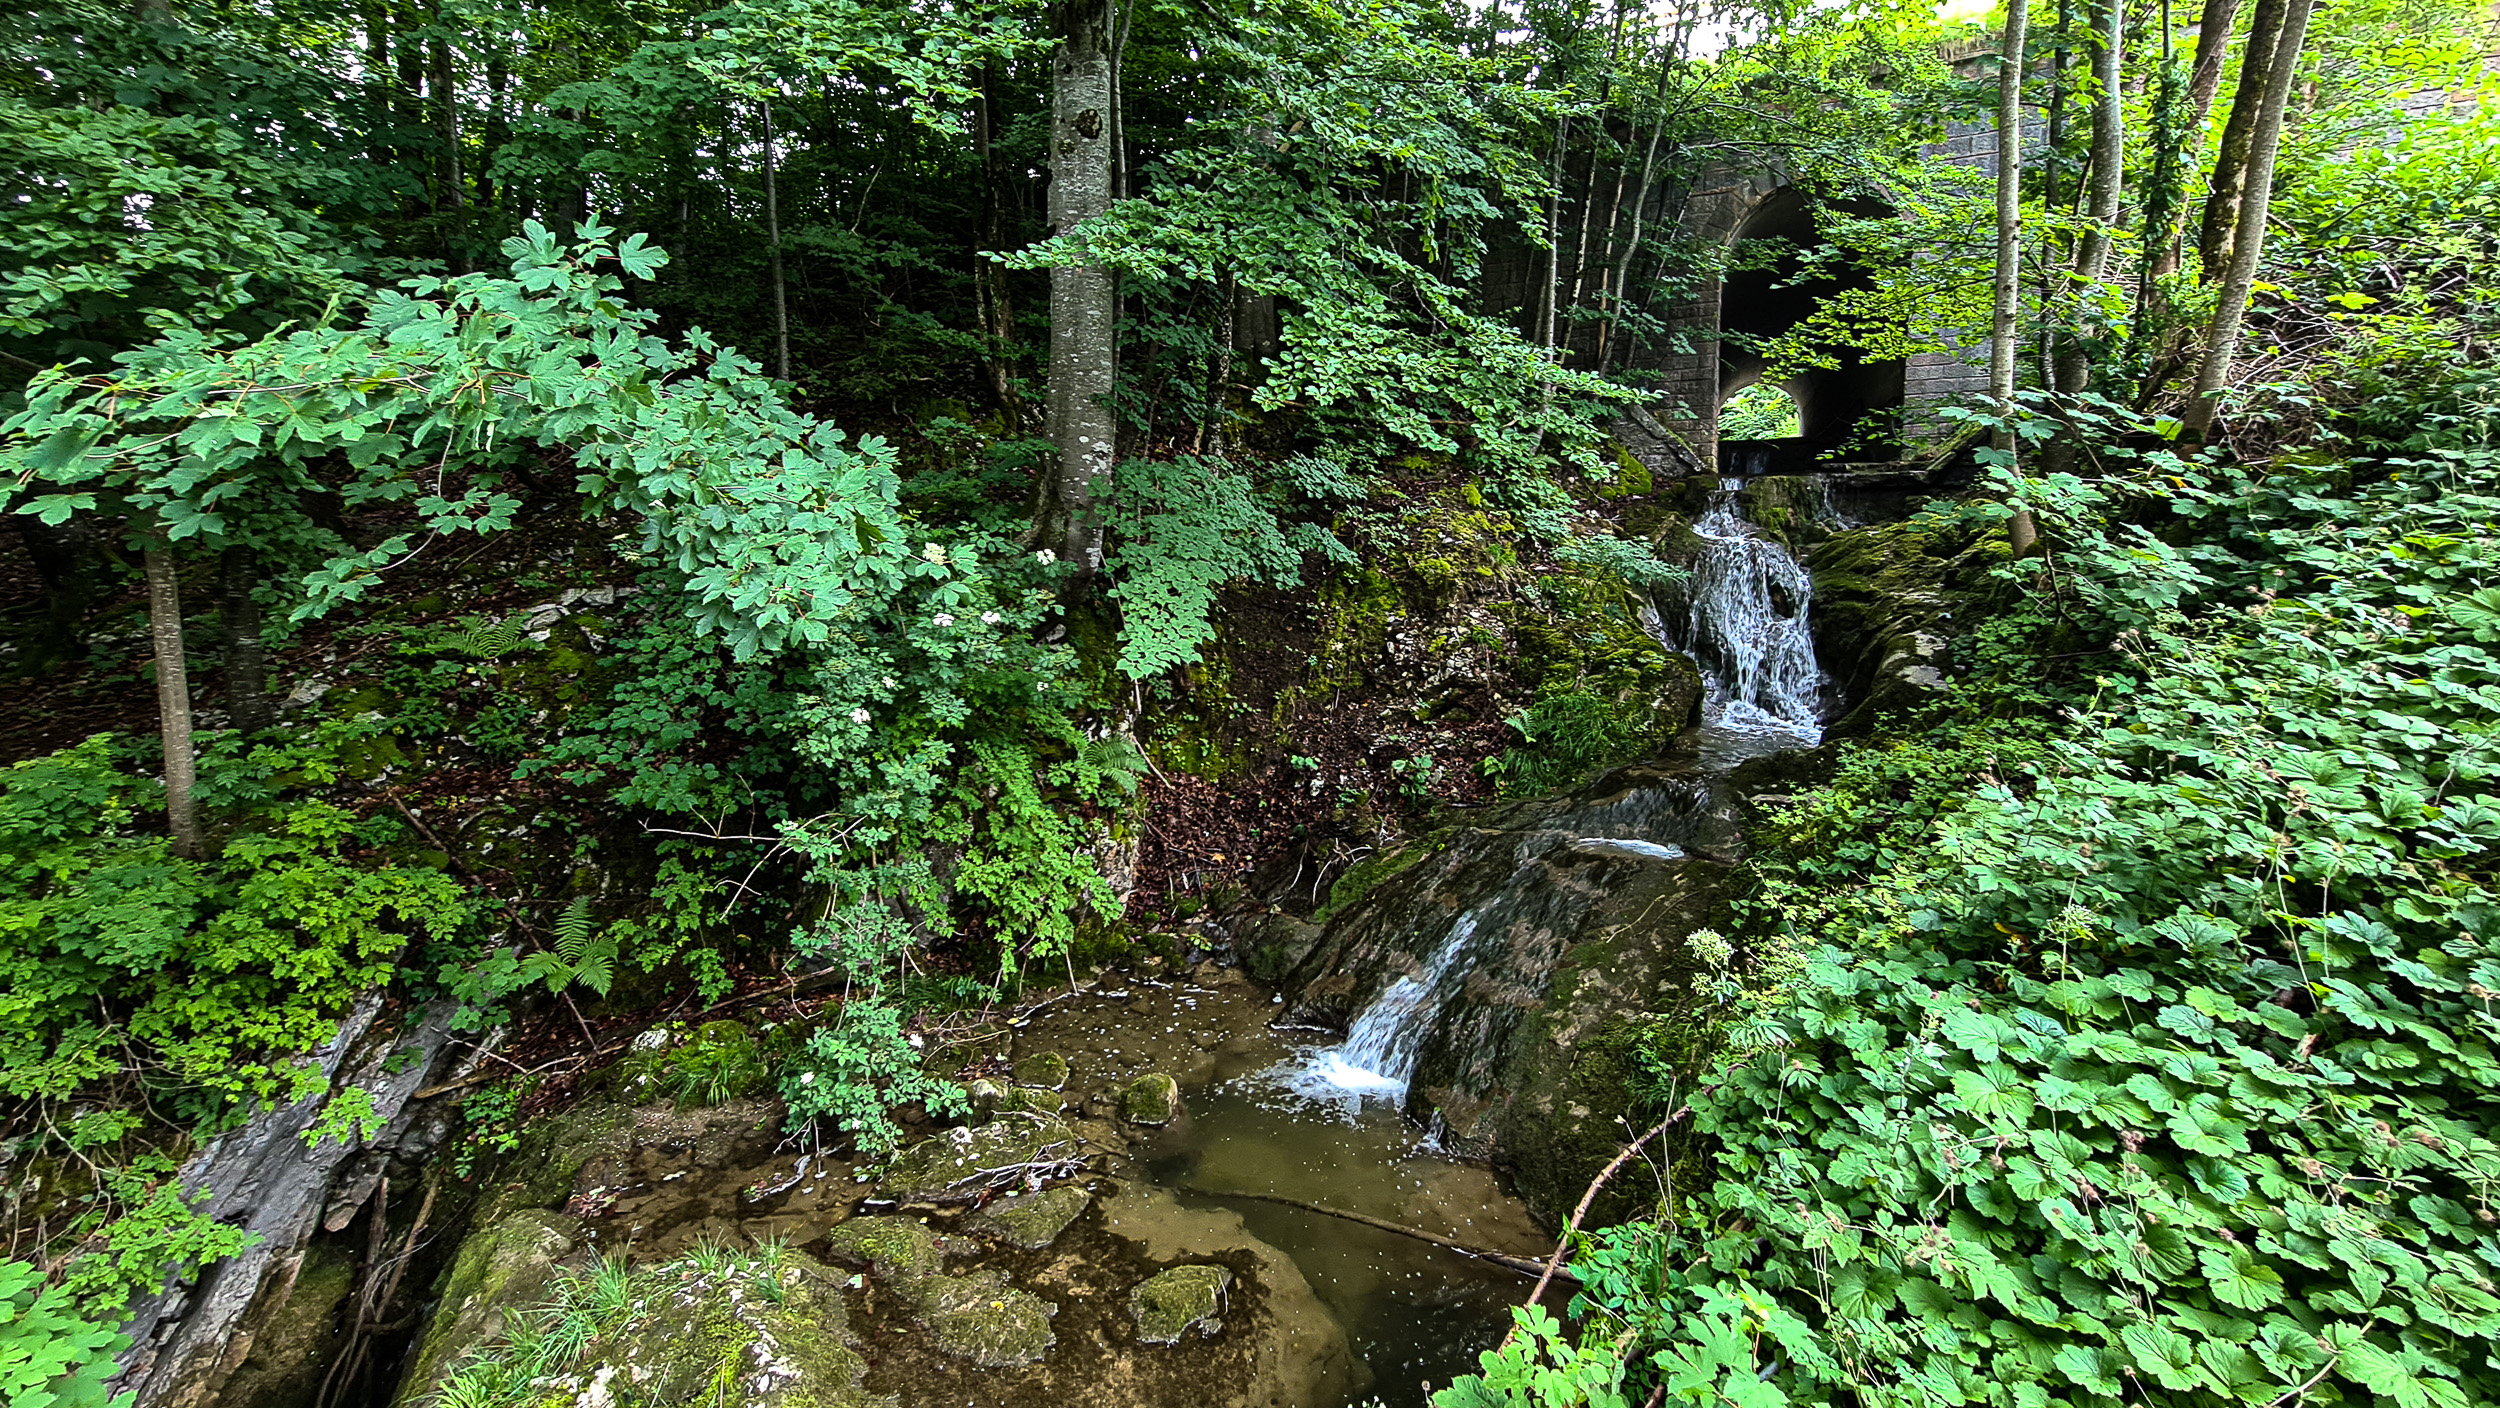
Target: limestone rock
{"type": "Point", "coordinates": [961, 1164]}
{"type": "Point", "coordinates": [1032, 1220]}
{"type": "Point", "coordinates": [1179, 1300]}
{"type": "Point", "coordinates": [1047, 1070]}
{"type": "Point", "coordinates": [1154, 1098]}
{"type": "Point", "coordinates": [779, 1341]}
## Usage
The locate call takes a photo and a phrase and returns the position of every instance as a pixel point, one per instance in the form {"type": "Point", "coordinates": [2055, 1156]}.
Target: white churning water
{"type": "Point", "coordinates": [1745, 625]}
{"type": "Point", "coordinates": [1377, 1058]}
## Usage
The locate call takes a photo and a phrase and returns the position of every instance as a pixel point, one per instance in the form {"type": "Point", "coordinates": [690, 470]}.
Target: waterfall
{"type": "Point", "coordinates": [1745, 626]}
{"type": "Point", "coordinates": [1377, 1058]}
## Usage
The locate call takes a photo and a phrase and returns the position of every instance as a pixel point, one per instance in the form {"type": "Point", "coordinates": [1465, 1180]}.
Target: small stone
{"type": "Point", "coordinates": [1179, 1300]}
{"type": "Point", "coordinates": [1032, 1220]}
{"type": "Point", "coordinates": [1047, 1070]}
{"type": "Point", "coordinates": [1033, 1101]}
{"type": "Point", "coordinates": [1154, 1098]}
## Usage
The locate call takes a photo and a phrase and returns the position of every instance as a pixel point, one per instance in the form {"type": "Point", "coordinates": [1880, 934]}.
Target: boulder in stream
{"type": "Point", "coordinates": [1151, 1099]}
{"type": "Point", "coordinates": [1177, 1301]}
{"type": "Point", "coordinates": [962, 1164]}
{"type": "Point", "coordinates": [1044, 1070]}
{"type": "Point", "coordinates": [1032, 1220]}
{"type": "Point", "coordinates": [502, 1270]}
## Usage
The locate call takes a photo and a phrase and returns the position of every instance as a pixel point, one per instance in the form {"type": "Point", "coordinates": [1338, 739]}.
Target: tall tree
{"type": "Point", "coordinates": [2102, 189]}
{"type": "Point", "coordinates": [1084, 292]}
{"type": "Point", "coordinates": [2247, 237]}
{"type": "Point", "coordinates": [2239, 133]}
{"type": "Point", "coordinates": [2009, 264]}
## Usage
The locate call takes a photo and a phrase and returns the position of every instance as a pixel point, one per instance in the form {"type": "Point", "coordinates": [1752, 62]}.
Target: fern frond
{"type": "Point", "coordinates": [486, 639]}
{"type": "Point", "coordinates": [573, 930]}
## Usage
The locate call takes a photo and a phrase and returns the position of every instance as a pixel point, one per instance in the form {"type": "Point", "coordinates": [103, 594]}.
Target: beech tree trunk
{"type": "Point", "coordinates": [173, 702]}
{"type": "Point", "coordinates": [1084, 298]}
{"type": "Point", "coordinates": [2020, 530]}
{"type": "Point", "coordinates": [2239, 133]}
{"type": "Point", "coordinates": [246, 664]}
{"type": "Point", "coordinates": [2248, 239]}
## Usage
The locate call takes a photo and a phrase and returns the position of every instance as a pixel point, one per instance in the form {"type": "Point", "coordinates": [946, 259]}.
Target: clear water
{"type": "Point", "coordinates": [1415, 1313]}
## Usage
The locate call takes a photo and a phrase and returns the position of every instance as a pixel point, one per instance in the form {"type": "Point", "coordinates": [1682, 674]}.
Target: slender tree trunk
{"type": "Point", "coordinates": [1553, 238]}
{"type": "Point", "coordinates": [2021, 532]}
{"type": "Point", "coordinates": [407, 116]}
{"type": "Point", "coordinates": [173, 702]}
{"type": "Point", "coordinates": [377, 82]}
{"type": "Point", "coordinates": [989, 281]}
{"type": "Point", "coordinates": [2248, 242]}
{"type": "Point", "coordinates": [246, 662]}
{"type": "Point", "coordinates": [2101, 193]}
{"type": "Point", "coordinates": [1084, 299]}
{"type": "Point", "coordinates": [498, 122]}
{"type": "Point", "coordinates": [772, 234]}
{"type": "Point", "coordinates": [2213, 42]}
{"type": "Point", "coordinates": [2239, 133]}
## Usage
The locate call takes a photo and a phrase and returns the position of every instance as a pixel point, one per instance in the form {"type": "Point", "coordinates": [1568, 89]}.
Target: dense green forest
{"type": "Point", "coordinates": [753, 549]}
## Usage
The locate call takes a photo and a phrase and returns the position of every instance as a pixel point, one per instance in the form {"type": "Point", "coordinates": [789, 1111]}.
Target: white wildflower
{"type": "Point", "coordinates": [859, 716]}
{"type": "Point", "coordinates": [942, 621]}
{"type": "Point", "coordinates": [807, 1078]}
{"type": "Point", "coordinates": [989, 618]}
{"type": "Point", "coordinates": [1046, 557]}
{"type": "Point", "coordinates": [935, 552]}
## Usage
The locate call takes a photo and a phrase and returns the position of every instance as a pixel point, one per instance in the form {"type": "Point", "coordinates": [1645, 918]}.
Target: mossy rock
{"type": "Point", "coordinates": [1032, 1100]}
{"type": "Point", "coordinates": [1151, 1099]}
{"type": "Point", "coordinates": [294, 1342]}
{"type": "Point", "coordinates": [1178, 1301]}
{"type": "Point", "coordinates": [502, 1269]}
{"type": "Point", "coordinates": [1032, 1220]}
{"type": "Point", "coordinates": [1043, 1070]}
{"type": "Point", "coordinates": [953, 1167]}
{"type": "Point", "coordinates": [1272, 945]}
{"type": "Point", "coordinates": [779, 1340]}
{"type": "Point", "coordinates": [897, 1250]}
{"type": "Point", "coordinates": [982, 1318]}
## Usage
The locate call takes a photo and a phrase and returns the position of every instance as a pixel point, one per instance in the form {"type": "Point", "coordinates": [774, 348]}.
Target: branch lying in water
{"type": "Point", "coordinates": [1525, 1266]}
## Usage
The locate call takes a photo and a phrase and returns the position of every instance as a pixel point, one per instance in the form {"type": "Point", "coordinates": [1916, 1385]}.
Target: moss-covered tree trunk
{"type": "Point", "coordinates": [1084, 296]}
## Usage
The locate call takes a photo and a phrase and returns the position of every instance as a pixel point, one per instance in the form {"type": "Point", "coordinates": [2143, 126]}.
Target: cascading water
{"type": "Point", "coordinates": [1744, 624]}
{"type": "Point", "coordinates": [1377, 1058]}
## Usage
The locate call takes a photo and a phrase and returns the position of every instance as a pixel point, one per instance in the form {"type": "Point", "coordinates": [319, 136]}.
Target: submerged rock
{"type": "Point", "coordinates": [1046, 1070]}
{"type": "Point", "coordinates": [1032, 1220]}
{"type": "Point", "coordinates": [1178, 1301]}
{"type": "Point", "coordinates": [1154, 1099]}
{"type": "Point", "coordinates": [896, 1249]}
{"type": "Point", "coordinates": [962, 1164]}
{"type": "Point", "coordinates": [982, 1318]}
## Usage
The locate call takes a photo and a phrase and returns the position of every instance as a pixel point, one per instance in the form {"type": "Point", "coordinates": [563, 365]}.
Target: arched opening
{"type": "Point", "coordinates": [1769, 293]}
{"type": "Point", "coordinates": [1761, 411]}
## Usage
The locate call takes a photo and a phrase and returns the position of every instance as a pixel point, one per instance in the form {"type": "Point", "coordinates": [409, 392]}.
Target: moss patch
{"type": "Point", "coordinates": [983, 1319]}
{"type": "Point", "coordinates": [958, 1166]}
{"type": "Point", "coordinates": [1046, 1070]}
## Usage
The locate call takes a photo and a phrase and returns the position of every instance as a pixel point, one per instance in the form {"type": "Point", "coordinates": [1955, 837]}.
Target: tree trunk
{"type": "Point", "coordinates": [1084, 299]}
{"type": "Point", "coordinates": [2213, 42]}
{"type": "Point", "coordinates": [246, 664]}
{"type": "Point", "coordinates": [2249, 241]}
{"type": "Point", "coordinates": [173, 702]}
{"type": "Point", "coordinates": [2109, 145]}
{"type": "Point", "coordinates": [2231, 159]}
{"type": "Point", "coordinates": [772, 235]}
{"type": "Point", "coordinates": [1553, 238]}
{"type": "Point", "coordinates": [989, 282]}
{"type": "Point", "coordinates": [2020, 530]}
